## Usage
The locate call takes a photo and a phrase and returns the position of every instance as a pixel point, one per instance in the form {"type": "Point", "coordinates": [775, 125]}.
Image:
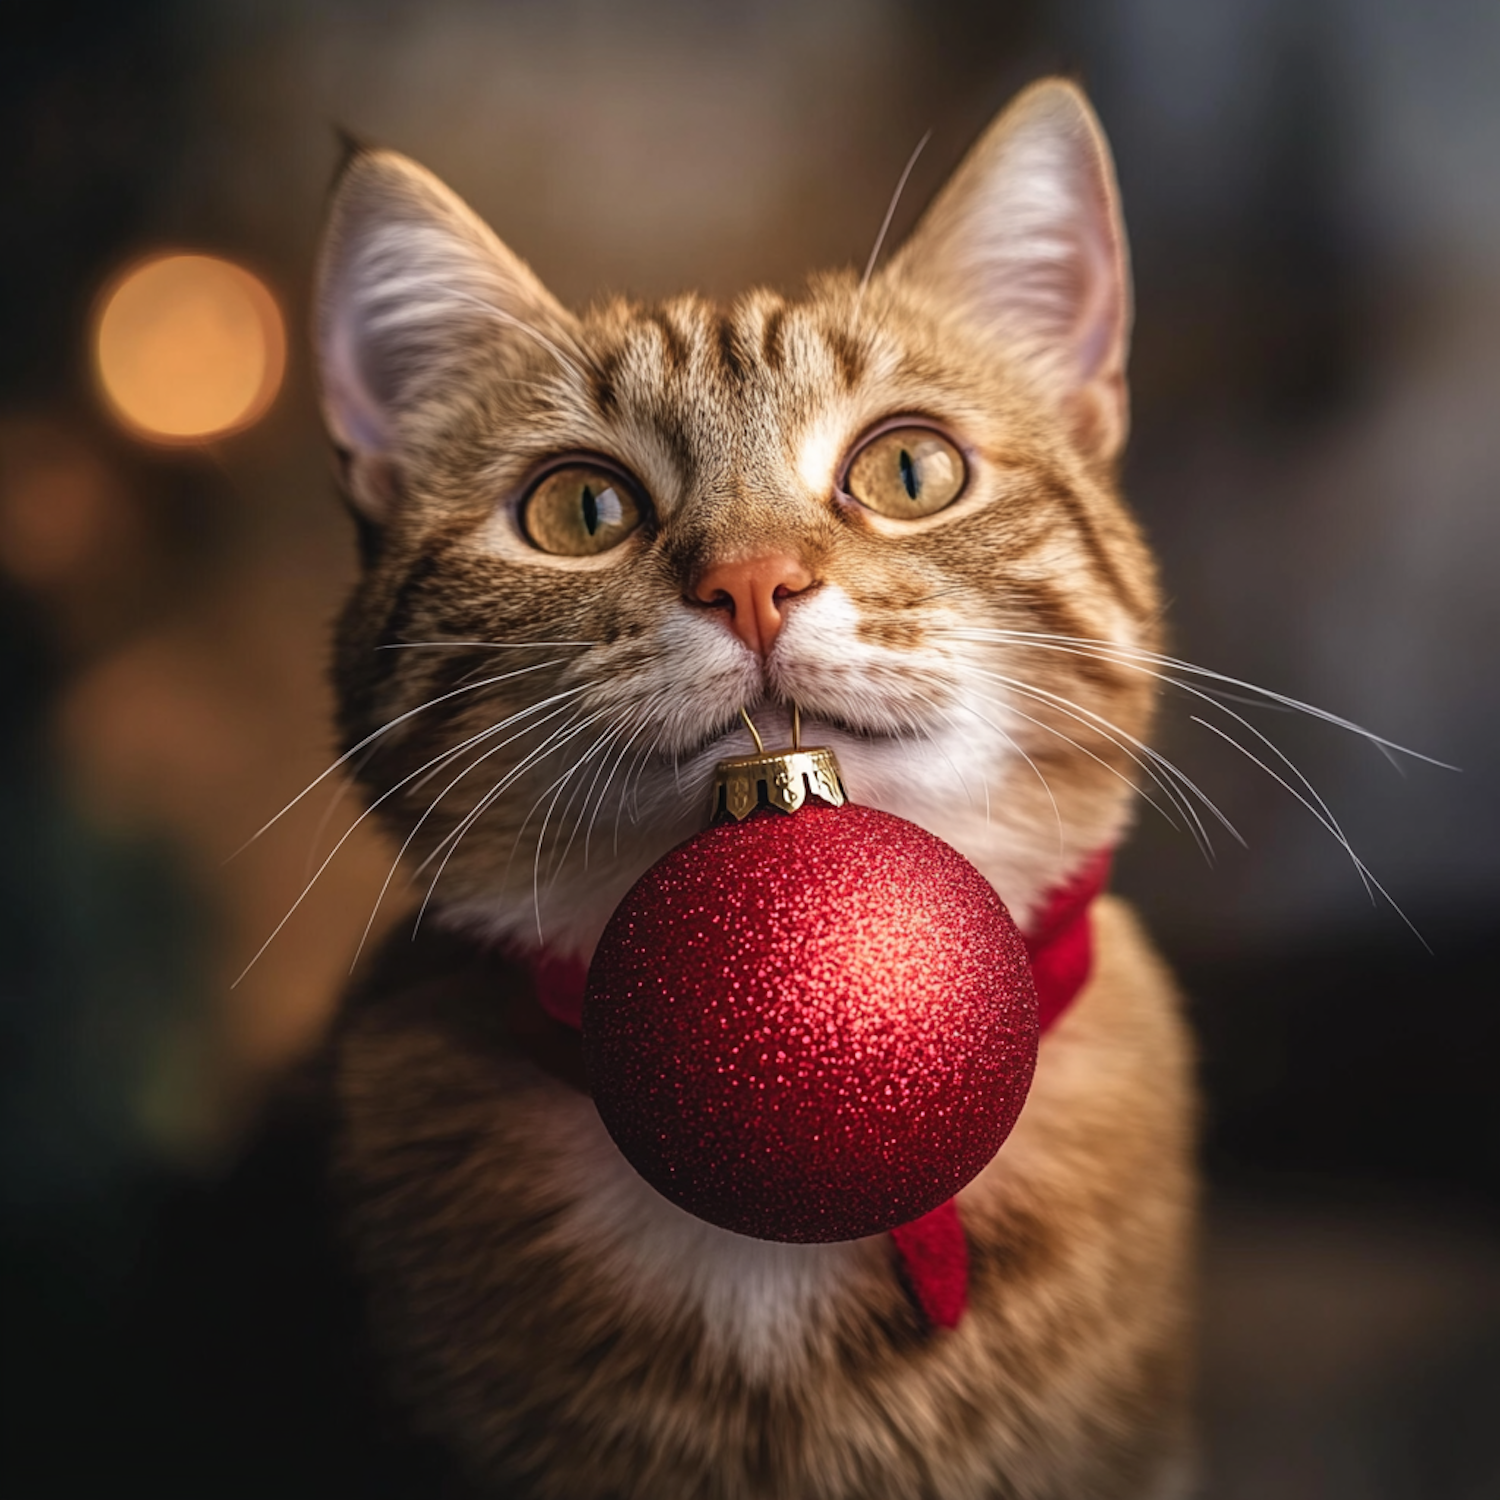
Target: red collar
{"type": "Point", "coordinates": [933, 1251]}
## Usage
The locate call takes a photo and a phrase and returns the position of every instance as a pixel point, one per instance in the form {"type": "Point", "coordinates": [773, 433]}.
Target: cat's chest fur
{"type": "Point", "coordinates": [564, 1325]}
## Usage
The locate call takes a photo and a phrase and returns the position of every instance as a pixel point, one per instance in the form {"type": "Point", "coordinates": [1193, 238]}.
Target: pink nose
{"type": "Point", "coordinates": [754, 593]}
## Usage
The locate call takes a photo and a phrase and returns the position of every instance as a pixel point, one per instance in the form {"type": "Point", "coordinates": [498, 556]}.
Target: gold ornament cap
{"type": "Point", "coordinates": [783, 779]}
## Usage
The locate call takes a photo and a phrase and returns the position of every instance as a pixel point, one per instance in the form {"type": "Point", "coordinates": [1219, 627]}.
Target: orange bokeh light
{"type": "Point", "coordinates": [187, 348]}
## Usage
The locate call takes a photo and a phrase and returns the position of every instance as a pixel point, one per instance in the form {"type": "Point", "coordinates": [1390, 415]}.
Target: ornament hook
{"type": "Point", "coordinates": [760, 744]}
{"type": "Point", "coordinates": [783, 779]}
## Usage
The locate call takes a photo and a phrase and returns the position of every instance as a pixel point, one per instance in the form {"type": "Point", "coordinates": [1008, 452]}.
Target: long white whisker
{"type": "Point", "coordinates": [499, 728]}
{"type": "Point", "coordinates": [1010, 739]}
{"type": "Point", "coordinates": [602, 742]}
{"type": "Point", "coordinates": [436, 801]}
{"type": "Point", "coordinates": [1168, 790]}
{"type": "Point", "coordinates": [937, 745]}
{"type": "Point", "coordinates": [485, 645]}
{"type": "Point", "coordinates": [1214, 699]}
{"type": "Point", "coordinates": [560, 735]}
{"type": "Point", "coordinates": [564, 735]}
{"type": "Point", "coordinates": [345, 786]}
{"type": "Point", "coordinates": [332, 853]}
{"type": "Point", "coordinates": [370, 739]}
{"type": "Point", "coordinates": [1331, 822]}
{"type": "Point", "coordinates": [610, 738]}
{"type": "Point", "coordinates": [609, 780]}
{"type": "Point", "coordinates": [1282, 781]}
{"type": "Point", "coordinates": [885, 225]}
{"type": "Point", "coordinates": [1179, 777]}
{"type": "Point", "coordinates": [1307, 795]}
{"type": "Point", "coordinates": [541, 838]}
{"type": "Point", "coordinates": [641, 756]}
{"type": "Point", "coordinates": [1134, 656]}
{"type": "Point", "coordinates": [626, 793]}
{"type": "Point", "coordinates": [555, 741]}
{"type": "Point", "coordinates": [1014, 744]}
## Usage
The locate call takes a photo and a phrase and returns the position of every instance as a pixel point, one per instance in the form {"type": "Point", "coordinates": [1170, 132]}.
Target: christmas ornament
{"type": "Point", "coordinates": [813, 1021]}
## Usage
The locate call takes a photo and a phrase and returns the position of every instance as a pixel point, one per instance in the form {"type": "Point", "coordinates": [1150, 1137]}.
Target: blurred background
{"type": "Point", "coordinates": [1313, 193]}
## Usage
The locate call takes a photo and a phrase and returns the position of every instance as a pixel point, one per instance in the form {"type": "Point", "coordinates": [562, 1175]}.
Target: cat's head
{"type": "Point", "coordinates": [591, 539]}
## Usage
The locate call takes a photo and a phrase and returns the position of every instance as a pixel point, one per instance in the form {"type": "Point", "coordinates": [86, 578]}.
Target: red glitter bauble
{"type": "Point", "coordinates": [810, 1027]}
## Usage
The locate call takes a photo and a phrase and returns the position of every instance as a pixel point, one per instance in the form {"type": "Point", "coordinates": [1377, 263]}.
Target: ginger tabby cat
{"type": "Point", "coordinates": [589, 540]}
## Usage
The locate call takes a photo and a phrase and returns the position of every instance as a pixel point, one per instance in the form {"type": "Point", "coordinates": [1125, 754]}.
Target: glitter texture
{"type": "Point", "coordinates": [810, 1027]}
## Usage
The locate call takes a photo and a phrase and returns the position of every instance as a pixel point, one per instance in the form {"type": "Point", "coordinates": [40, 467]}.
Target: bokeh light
{"type": "Point", "coordinates": [188, 347]}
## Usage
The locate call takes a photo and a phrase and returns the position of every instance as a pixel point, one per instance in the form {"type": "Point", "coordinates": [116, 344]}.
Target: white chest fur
{"type": "Point", "coordinates": [756, 1299]}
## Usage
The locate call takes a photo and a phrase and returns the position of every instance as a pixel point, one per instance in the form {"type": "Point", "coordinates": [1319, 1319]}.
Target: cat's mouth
{"type": "Point", "coordinates": [773, 721]}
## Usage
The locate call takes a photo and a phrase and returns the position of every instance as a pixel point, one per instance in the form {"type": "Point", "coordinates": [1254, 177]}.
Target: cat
{"type": "Point", "coordinates": [588, 542]}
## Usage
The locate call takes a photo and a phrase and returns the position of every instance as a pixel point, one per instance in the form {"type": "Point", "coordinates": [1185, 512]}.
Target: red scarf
{"type": "Point", "coordinates": [933, 1250]}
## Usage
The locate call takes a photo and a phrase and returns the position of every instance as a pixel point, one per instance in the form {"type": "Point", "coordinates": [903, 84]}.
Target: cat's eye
{"type": "Point", "coordinates": [906, 473]}
{"type": "Point", "coordinates": [579, 511]}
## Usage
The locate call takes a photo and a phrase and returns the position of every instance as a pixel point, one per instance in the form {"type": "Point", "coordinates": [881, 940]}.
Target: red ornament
{"type": "Point", "coordinates": [810, 1027]}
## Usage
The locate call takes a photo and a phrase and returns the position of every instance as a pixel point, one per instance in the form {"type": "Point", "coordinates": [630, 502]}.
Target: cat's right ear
{"type": "Point", "coordinates": [1027, 244]}
{"type": "Point", "coordinates": [411, 285]}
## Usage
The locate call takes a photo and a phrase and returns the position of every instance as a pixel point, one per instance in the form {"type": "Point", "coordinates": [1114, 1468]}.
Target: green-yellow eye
{"type": "Point", "coordinates": [579, 511]}
{"type": "Point", "coordinates": [907, 473]}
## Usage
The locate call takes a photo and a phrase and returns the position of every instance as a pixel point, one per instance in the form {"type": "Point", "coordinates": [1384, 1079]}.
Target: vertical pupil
{"type": "Point", "coordinates": [909, 475]}
{"type": "Point", "coordinates": [590, 510]}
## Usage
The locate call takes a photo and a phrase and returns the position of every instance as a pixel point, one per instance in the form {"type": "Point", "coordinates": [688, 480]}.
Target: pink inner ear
{"type": "Point", "coordinates": [1101, 328]}
{"type": "Point", "coordinates": [1092, 344]}
{"type": "Point", "coordinates": [354, 415]}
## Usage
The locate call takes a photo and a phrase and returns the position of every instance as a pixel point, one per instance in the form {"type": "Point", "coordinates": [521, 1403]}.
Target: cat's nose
{"type": "Point", "coordinates": [754, 593]}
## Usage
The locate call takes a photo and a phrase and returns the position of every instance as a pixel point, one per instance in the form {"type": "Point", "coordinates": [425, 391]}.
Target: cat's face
{"type": "Point", "coordinates": [592, 541]}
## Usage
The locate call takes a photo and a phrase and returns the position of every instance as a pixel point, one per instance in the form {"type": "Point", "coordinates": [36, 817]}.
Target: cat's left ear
{"type": "Point", "coordinates": [1026, 243]}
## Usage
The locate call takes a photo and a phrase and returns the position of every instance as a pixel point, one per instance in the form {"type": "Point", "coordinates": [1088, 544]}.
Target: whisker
{"type": "Point", "coordinates": [1331, 822]}
{"type": "Point", "coordinates": [1168, 790]}
{"type": "Point", "coordinates": [436, 801]}
{"type": "Point", "coordinates": [1179, 778]}
{"type": "Point", "coordinates": [601, 743]}
{"type": "Point", "coordinates": [1214, 700]}
{"type": "Point", "coordinates": [485, 645]}
{"type": "Point", "coordinates": [638, 770]}
{"type": "Point", "coordinates": [560, 735]}
{"type": "Point", "coordinates": [1219, 698]}
{"type": "Point", "coordinates": [1036, 771]}
{"type": "Point", "coordinates": [348, 834]}
{"type": "Point", "coordinates": [555, 868]}
{"type": "Point", "coordinates": [572, 729]}
{"type": "Point", "coordinates": [933, 741]}
{"type": "Point", "coordinates": [536, 865]}
{"type": "Point", "coordinates": [345, 786]}
{"type": "Point", "coordinates": [1134, 656]}
{"type": "Point", "coordinates": [555, 741]}
{"type": "Point", "coordinates": [1078, 647]}
{"type": "Point", "coordinates": [370, 739]}
{"type": "Point", "coordinates": [609, 781]}
{"type": "Point", "coordinates": [1009, 740]}
{"type": "Point", "coordinates": [1246, 701]}
{"type": "Point", "coordinates": [1358, 862]}
{"type": "Point", "coordinates": [958, 775]}
{"type": "Point", "coordinates": [885, 225]}
{"type": "Point", "coordinates": [641, 757]}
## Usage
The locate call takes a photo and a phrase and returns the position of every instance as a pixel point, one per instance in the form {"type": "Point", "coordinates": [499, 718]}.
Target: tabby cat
{"type": "Point", "coordinates": [589, 540]}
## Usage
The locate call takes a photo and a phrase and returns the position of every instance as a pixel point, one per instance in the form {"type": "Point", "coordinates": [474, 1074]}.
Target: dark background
{"type": "Point", "coordinates": [1313, 192]}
